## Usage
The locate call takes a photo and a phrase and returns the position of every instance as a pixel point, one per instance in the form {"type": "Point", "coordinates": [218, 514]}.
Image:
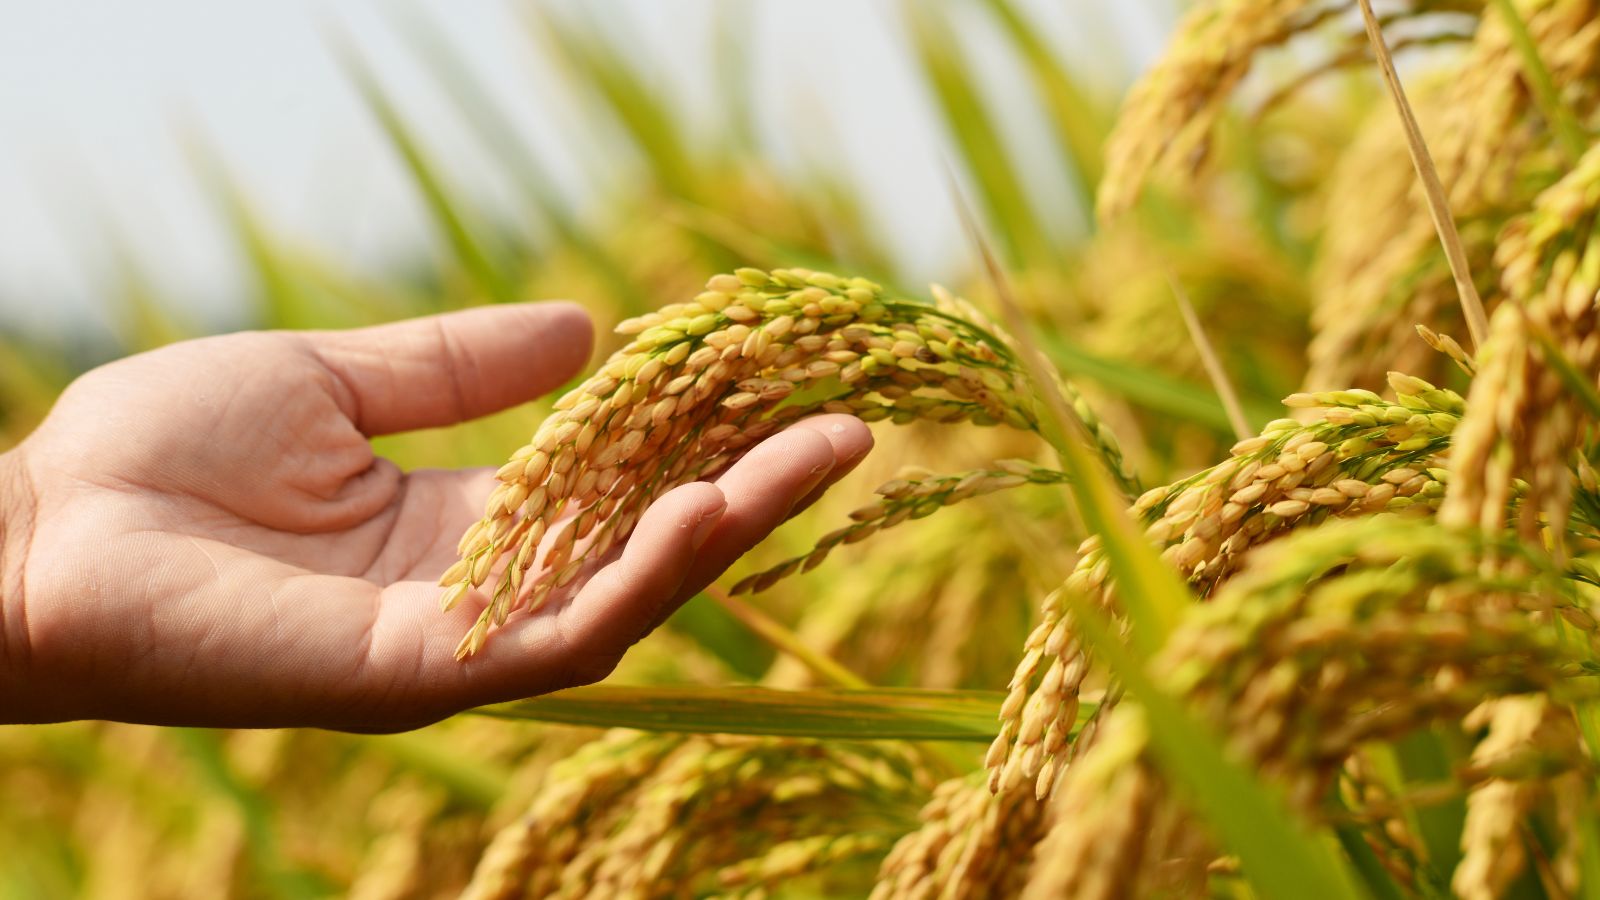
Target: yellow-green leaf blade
{"type": "Point", "coordinates": [838, 714]}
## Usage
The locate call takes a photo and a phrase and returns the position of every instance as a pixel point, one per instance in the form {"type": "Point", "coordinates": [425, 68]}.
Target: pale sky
{"type": "Point", "coordinates": [94, 95]}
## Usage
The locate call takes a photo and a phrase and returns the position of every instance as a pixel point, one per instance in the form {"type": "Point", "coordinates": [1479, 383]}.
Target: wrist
{"type": "Point", "coordinates": [16, 528]}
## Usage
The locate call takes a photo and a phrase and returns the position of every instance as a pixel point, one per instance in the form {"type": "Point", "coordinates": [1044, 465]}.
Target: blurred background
{"type": "Point", "coordinates": [175, 168]}
{"type": "Point", "coordinates": [105, 108]}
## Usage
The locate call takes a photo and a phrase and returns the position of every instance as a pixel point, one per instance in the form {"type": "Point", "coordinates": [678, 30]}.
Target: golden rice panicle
{"type": "Point", "coordinates": [1166, 123]}
{"type": "Point", "coordinates": [1522, 419]}
{"type": "Point", "coordinates": [1528, 739]}
{"type": "Point", "coordinates": [1378, 271]}
{"type": "Point", "coordinates": [1113, 832]}
{"type": "Point", "coordinates": [971, 844]}
{"type": "Point", "coordinates": [787, 860]}
{"type": "Point", "coordinates": [718, 803]}
{"type": "Point", "coordinates": [1333, 639]}
{"type": "Point", "coordinates": [583, 794]}
{"type": "Point", "coordinates": [912, 495]}
{"type": "Point", "coordinates": [1272, 656]}
{"type": "Point", "coordinates": [1373, 802]}
{"type": "Point", "coordinates": [698, 385]}
{"type": "Point", "coordinates": [1364, 455]}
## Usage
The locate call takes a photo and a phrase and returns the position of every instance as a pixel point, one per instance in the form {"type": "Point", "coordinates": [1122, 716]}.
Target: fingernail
{"type": "Point", "coordinates": [702, 529]}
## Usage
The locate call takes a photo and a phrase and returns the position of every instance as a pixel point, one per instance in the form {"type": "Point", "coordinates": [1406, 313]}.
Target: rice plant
{"type": "Point", "coordinates": [1113, 647]}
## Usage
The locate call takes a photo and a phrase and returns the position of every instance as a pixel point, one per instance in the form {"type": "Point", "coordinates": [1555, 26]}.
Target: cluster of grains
{"type": "Point", "coordinates": [1167, 121]}
{"type": "Point", "coordinates": [971, 844]}
{"type": "Point", "coordinates": [1378, 270]}
{"type": "Point", "coordinates": [583, 793]}
{"type": "Point", "coordinates": [697, 386]}
{"type": "Point", "coordinates": [1530, 745]}
{"type": "Point", "coordinates": [659, 816]}
{"type": "Point", "coordinates": [1371, 285]}
{"type": "Point", "coordinates": [912, 495]}
{"type": "Point", "coordinates": [791, 859]}
{"type": "Point", "coordinates": [1343, 635]}
{"type": "Point", "coordinates": [1524, 419]}
{"type": "Point", "coordinates": [1365, 455]}
{"type": "Point", "coordinates": [1111, 821]}
{"type": "Point", "coordinates": [1381, 814]}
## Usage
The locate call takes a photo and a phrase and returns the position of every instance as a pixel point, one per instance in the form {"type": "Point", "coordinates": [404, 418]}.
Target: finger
{"type": "Point", "coordinates": [622, 602]}
{"type": "Point", "coordinates": [583, 640]}
{"type": "Point", "coordinates": [438, 370]}
{"type": "Point", "coordinates": [851, 440]}
{"type": "Point", "coordinates": [762, 489]}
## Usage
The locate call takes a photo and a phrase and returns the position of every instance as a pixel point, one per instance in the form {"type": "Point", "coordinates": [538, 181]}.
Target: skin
{"type": "Point", "coordinates": [202, 534]}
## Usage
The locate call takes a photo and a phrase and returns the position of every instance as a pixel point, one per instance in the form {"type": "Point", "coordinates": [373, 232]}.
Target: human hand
{"type": "Point", "coordinates": [203, 535]}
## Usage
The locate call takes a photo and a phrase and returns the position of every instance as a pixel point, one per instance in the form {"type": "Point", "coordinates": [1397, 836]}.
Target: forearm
{"type": "Point", "coordinates": [16, 527]}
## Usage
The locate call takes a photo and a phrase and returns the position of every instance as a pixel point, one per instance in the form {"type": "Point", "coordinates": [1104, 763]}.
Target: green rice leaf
{"type": "Point", "coordinates": [953, 84]}
{"type": "Point", "coordinates": [1151, 592]}
{"type": "Point", "coordinates": [1149, 389]}
{"type": "Point", "coordinates": [283, 304]}
{"type": "Point", "coordinates": [597, 64]}
{"type": "Point", "coordinates": [1424, 757]}
{"type": "Point", "coordinates": [1080, 124]}
{"type": "Point", "coordinates": [717, 632]}
{"type": "Point", "coordinates": [1380, 884]}
{"type": "Point", "coordinates": [449, 211]}
{"type": "Point", "coordinates": [521, 160]}
{"type": "Point", "coordinates": [879, 714]}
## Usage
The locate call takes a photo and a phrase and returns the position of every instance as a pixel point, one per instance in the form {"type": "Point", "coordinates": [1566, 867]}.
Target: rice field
{"type": "Point", "coordinates": [1235, 533]}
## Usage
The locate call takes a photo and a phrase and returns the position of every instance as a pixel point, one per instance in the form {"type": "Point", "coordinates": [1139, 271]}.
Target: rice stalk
{"type": "Point", "coordinates": [1432, 190]}
{"type": "Point", "coordinates": [1363, 456]}
{"type": "Point", "coordinates": [1338, 637]}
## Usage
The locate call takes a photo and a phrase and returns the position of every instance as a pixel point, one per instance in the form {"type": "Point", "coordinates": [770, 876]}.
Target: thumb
{"type": "Point", "coordinates": [448, 368]}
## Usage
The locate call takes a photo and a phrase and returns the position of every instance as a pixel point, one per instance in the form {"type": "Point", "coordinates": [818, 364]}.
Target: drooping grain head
{"type": "Point", "coordinates": [699, 384]}
{"type": "Point", "coordinates": [1378, 270]}
{"type": "Point", "coordinates": [971, 843]}
{"type": "Point", "coordinates": [658, 815]}
{"type": "Point", "coordinates": [1168, 119]}
{"type": "Point", "coordinates": [1523, 418]}
{"type": "Point", "coordinates": [1335, 638]}
{"type": "Point", "coordinates": [1363, 456]}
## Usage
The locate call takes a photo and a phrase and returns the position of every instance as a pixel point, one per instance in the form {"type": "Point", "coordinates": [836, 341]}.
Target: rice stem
{"type": "Point", "coordinates": [783, 639]}
{"type": "Point", "coordinates": [1432, 188]}
{"type": "Point", "coordinates": [1212, 362]}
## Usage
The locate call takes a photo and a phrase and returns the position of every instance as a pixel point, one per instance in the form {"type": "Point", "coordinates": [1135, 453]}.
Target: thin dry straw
{"type": "Point", "coordinates": [1433, 190]}
{"type": "Point", "coordinates": [1213, 363]}
{"type": "Point", "coordinates": [781, 638]}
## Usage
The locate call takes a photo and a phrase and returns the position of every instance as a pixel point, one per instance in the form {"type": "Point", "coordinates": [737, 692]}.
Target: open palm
{"type": "Point", "coordinates": [203, 535]}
